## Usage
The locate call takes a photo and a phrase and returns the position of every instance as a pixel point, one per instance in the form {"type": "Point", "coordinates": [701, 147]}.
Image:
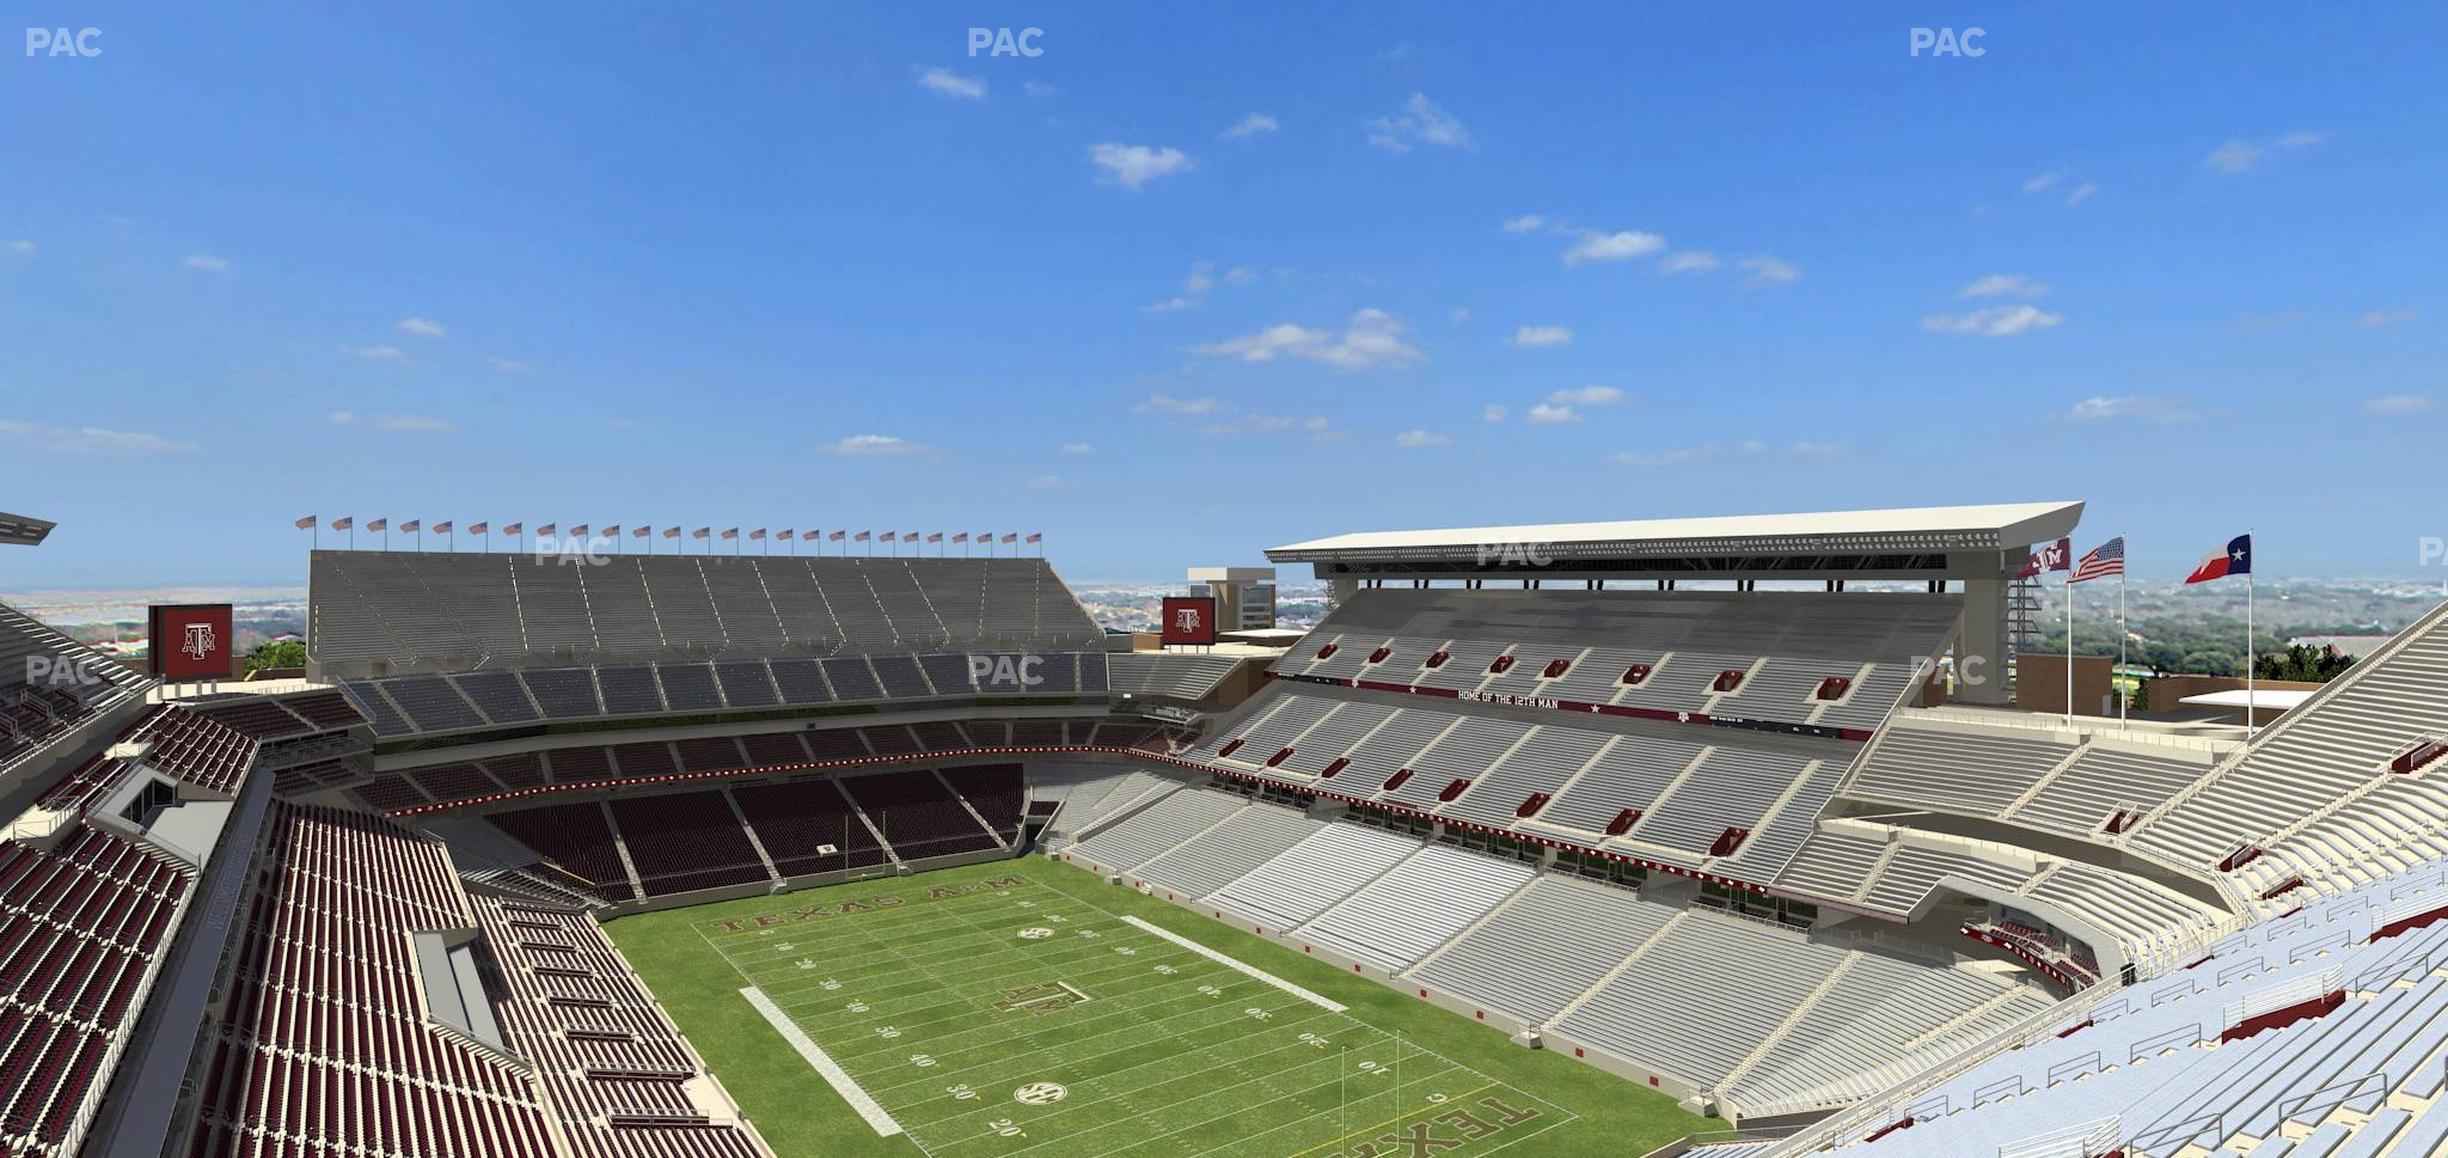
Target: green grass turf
{"type": "Point", "coordinates": [903, 996]}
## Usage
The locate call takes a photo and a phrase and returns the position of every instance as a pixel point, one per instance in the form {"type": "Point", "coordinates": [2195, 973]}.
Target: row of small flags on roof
{"type": "Point", "coordinates": [582, 531]}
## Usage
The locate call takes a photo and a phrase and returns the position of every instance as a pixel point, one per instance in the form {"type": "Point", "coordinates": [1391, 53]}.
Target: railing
{"type": "Point", "coordinates": [2086, 1140]}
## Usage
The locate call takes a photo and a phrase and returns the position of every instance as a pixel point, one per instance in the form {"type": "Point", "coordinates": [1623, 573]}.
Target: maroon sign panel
{"type": "Point", "coordinates": [1189, 619]}
{"type": "Point", "coordinates": [192, 641]}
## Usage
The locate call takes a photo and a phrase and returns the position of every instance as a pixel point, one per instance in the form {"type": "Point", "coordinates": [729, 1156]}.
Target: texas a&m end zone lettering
{"type": "Point", "coordinates": [191, 641]}
{"type": "Point", "coordinates": [1189, 619]}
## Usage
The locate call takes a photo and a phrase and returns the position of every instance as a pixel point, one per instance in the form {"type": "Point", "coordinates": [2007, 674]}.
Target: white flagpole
{"type": "Point", "coordinates": [2069, 647]}
{"type": "Point", "coordinates": [2250, 549]}
{"type": "Point", "coordinates": [2123, 631]}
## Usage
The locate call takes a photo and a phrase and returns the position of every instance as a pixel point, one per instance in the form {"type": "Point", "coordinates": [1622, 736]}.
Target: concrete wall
{"type": "Point", "coordinates": [2040, 684]}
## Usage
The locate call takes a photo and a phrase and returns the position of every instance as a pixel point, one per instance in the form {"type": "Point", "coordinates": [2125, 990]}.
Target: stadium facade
{"type": "Point", "coordinates": [1614, 789]}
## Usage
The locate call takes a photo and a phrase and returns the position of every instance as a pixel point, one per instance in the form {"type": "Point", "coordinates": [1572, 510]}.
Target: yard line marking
{"type": "Point", "coordinates": [1233, 963]}
{"type": "Point", "coordinates": [1396, 1120]}
{"type": "Point", "coordinates": [840, 1080]}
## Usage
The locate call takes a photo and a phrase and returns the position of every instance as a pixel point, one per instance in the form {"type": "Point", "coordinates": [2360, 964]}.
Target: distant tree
{"type": "Point", "coordinates": [2304, 663]}
{"type": "Point", "coordinates": [286, 653]}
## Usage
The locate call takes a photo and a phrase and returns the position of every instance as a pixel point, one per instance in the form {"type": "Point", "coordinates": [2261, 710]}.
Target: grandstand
{"type": "Point", "coordinates": [1626, 795]}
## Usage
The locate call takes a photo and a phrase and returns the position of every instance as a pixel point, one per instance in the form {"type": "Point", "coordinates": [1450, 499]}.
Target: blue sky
{"type": "Point", "coordinates": [1198, 280]}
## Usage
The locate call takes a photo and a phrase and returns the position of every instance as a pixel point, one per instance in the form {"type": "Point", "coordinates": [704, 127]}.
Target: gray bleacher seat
{"type": "Point", "coordinates": [563, 693]}
{"type": "Point", "coordinates": [689, 687]}
{"type": "Point", "coordinates": [1544, 948]}
{"type": "Point", "coordinates": [1166, 823]}
{"type": "Point", "coordinates": [800, 681]}
{"type": "Point", "coordinates": [1415, 906]}
{"type": "Point", "coordinates": [1245, 840]}
{"type": "Point", "coordinates": [1630, 773]}
{"type": "Point", "coordinates": [1956, 770]}
{"type": "Point", "coordinates": [852, 679]}
{"type": "Point", "coordinates": [1319, 871]}
{"type": "Point", "coordinates": [497, 694]}
{"type": "Point", "coordinates": [432, 703]}
{"type": "Point", "coordinates": [1542, 763]}
{"type": "Point", "coordinates": [373, 608]}
{"type": "Point", "coordinates": [629, 690]}
{"type": "Point", "coordinates": [745, 683]}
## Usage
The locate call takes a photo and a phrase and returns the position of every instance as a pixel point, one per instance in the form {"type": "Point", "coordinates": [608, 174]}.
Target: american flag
{"type": "Point", "coordinates": [2104, 560]}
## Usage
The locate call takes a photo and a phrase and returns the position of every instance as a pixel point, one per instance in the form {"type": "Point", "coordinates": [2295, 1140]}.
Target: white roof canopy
{"type": "Point", "coordinates": [1995, 526]}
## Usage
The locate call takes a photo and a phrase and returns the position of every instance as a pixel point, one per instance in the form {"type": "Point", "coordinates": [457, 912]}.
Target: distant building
{"type": "Point", "coordinates": [2350, 646]}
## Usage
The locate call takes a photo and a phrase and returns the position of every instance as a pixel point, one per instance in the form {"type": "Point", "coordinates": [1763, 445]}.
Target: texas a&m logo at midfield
{"type": "Point", "coordinates": [1189, 619]}
{"type": "Point", "coordinates": [191, 641]}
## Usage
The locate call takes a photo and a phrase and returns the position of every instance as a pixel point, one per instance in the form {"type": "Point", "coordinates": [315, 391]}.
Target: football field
{"type": "Point", "coordinates": [1003, 1009]}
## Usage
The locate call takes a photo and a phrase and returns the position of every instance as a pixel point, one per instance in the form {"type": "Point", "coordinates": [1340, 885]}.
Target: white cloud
{"type": "Point", "coordinates": [2387, 317]}
{"type": "Point", "coordinates": [1818, 449]}
{"type": "Point", "coordinates": [945, 82]}
{"type": "Point", "coordinates": [2104, 408]}
{"type": "Point", "coordinates": [1038, 88]}
{"type": "Point", "coordinates": [1526, 223]}
{"type": "Point", "coordinates": [1372, 339]}
{"type": "Point", "coordinates": [2235, 157]}
{"type": "Point", "coordinates": [1195, 287]}
{"type": "Point", "coordinates": [2081, 193]}
{"type": "Point", "coordinates": [2040, 182]}
{"type": "Point", "coordinates": [1992, 321]}
{"type": "Point", "coordinates": [1535, 336]}
{"type": "Point", "coordinates": [1666, 457]}
{"type": "Point", "coordinates": [1550, 414]}
{"type": "Point", "coordinates": [1587, 396]}
{"type": "Point", "coordinates": [90, 440]}
{"type": "Point", "coordinates": [2241, 155]}
{"type": "Point", "coordinates": [208, 263]}
{"type": "Point", "coordinates": [1458, 315]}
{"type": "Point", "coordinates": [1689, 261]}
{"type": "Point", "coordinates": [2398, 404]}
{"type": "Point", "coordinates": [874, 446]}
{"type": "Point", "coordinates": [1044, 482]}
{"type": "Point", "coordinates": [376, 353]}
{"type": "Point", "coordinates": [22, 247]}
{"type": "Point", "coordinates": [1250, 126]}
{"type": "Point", "coordinates": [1415, 439]}
{"type": "Point", "coordinates": [1167, 404]}
{"type": "Point", "coordinates": [1076, 448]}
{"type": "Point", "coordinates": [423, 327]}
{"type": "Point", "coordinates": [1419, 121]}
{"type": "Point", "coordinates": [1133, 166]}
{"type": "Point", "coordinates": [411, 423]}
{"type": "Point", "coordinates": [1624, 245]}
{"type": "Point", "coordinates": [2004, 285]}
{"type": "Point", "coordinates": [1492, 413]}
{"type": "Point", "coordinates": [507, 365]}
{"type": "Point", "coordinates": [1768, 272]}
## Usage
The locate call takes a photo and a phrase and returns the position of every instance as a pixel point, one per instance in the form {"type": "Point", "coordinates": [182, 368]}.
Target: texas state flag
{"type": "Point", "coordinates": [2235, 560]}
